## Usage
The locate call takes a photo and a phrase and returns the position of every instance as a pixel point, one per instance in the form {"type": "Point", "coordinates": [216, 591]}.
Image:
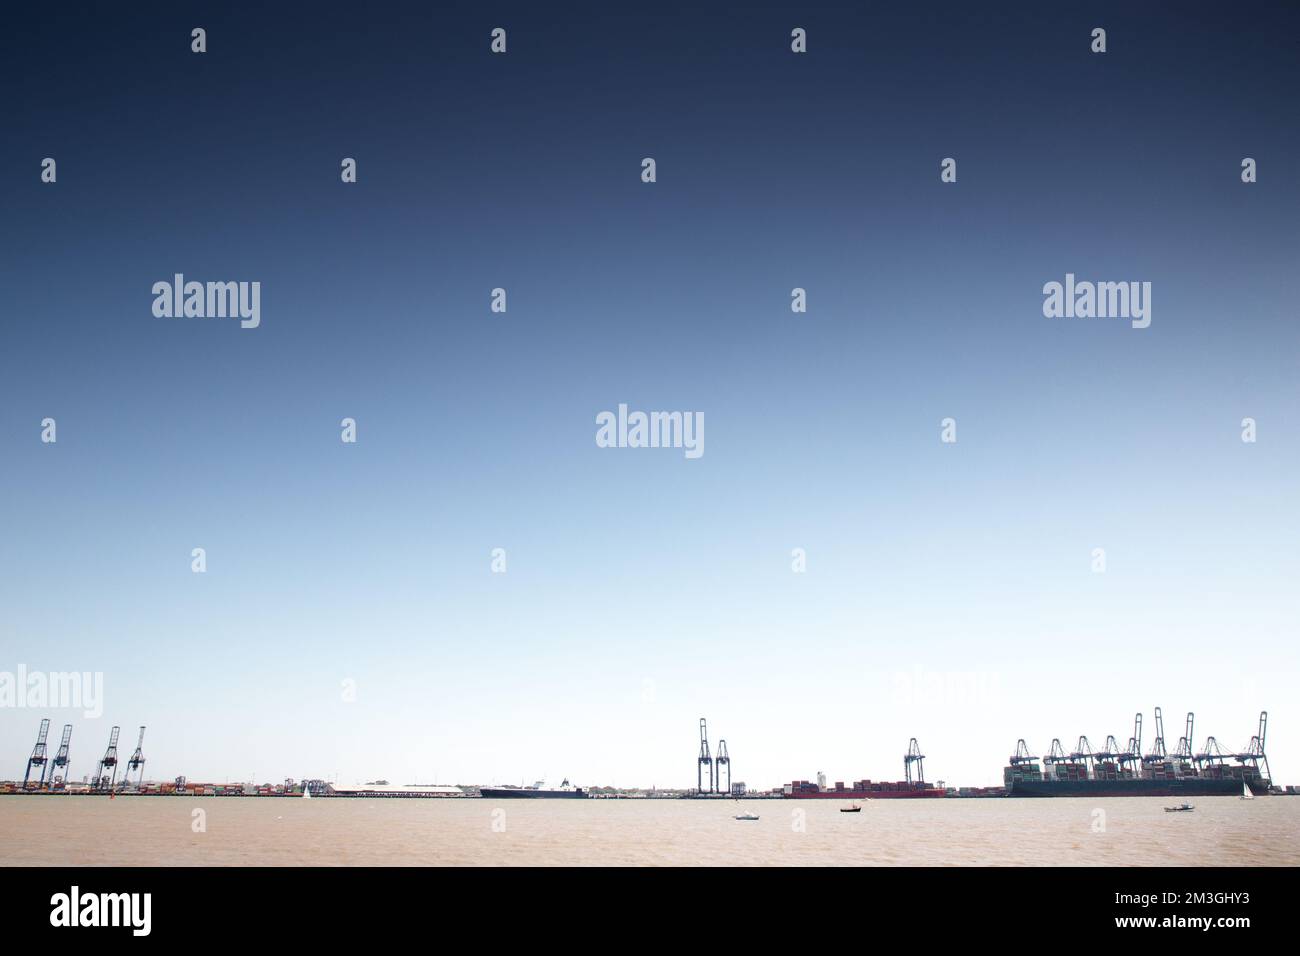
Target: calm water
{"type": "Point", "coordinates": [257, 831]}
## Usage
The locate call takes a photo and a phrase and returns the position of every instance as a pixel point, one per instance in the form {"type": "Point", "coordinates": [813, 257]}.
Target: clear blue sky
{"type": "Point", "coordinates": [643, 589]}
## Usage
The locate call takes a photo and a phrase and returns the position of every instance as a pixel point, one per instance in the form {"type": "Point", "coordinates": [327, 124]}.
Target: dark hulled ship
{"type": "Point", "coordinates": [1116, 771]}
{"type": "Point", "coordinates": [538, 791]}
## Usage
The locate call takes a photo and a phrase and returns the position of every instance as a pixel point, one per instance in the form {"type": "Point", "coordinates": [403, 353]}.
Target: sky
{"type": "Point", "coordinates": [349, 624]}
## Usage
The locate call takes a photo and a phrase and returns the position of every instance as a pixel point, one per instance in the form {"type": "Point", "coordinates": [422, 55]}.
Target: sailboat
{"type": "Point", "coordinates": [306, 792]}
{"type": "Point", "coordinates": [1245, 791]}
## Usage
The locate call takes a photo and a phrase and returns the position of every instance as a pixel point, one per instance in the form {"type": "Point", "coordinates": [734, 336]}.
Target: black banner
{"type": "Point", "coordinates": [940, 905]}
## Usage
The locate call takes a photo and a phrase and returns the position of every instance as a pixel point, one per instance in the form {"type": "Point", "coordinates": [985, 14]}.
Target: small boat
{"type": "Point", "coordinates": [853, 809]}
{"type": "Point", "coordinates": [306, 792]}
{"type": "Point", "coordinates": [1245, 792]}
{"type": "Point", "coordinates": [1181, 808]}
{"type": "Point", "coordinates": [747, 816]}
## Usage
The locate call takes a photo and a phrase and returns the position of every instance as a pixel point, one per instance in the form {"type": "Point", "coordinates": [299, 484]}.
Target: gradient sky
{"type": "Point", "coordinates": [644, 589]}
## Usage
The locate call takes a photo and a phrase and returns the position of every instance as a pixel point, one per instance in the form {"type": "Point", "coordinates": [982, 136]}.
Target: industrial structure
{"type": "Point", "coordinates": [706, 760]}
{"type": "Point", "coordinates": [137, 760]}
{"type": "Point", "coordinates": [713, 765]}
{"type": "Point", "coordinates": [720, 762]}
{"type": "Point", "coordinates": [1113, 772]}
{"type": "Point", "coordinates": [37, 759]}
{"type": "Point", "coordinates": [913, 786]}
{"type": "Point", "coordinates": [59, 766]}
{"type": "Point", "coordinates": [914, 756]}
{"type": "Point", "coordinates": [102, 780]}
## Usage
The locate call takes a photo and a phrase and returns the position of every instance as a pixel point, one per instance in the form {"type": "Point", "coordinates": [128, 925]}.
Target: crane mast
{"type": "Point", "coordinates": [914, 756]}
{"type": "Point", "coordinates": [59, 766]}
{"type": "Point", "coordinates": [38, 758]}
{"type": "Point", "coordinates": [721, 761]}
{"type": "Point", "coordinates": [706, 760]}
{"type": "Point", "coordinates": [137, 760]}
{"type": "Point", "coordinates": [104, 781]}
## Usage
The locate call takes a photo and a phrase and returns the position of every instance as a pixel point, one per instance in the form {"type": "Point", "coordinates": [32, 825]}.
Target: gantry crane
{"type": "Point", "coordinates": [1083, 754]}
{"type": "Point", "coordinates": [1254, 754]}
{"type": "Point", "coordinates": [137, 760]}
{"type": "Point", "coordinates": [1055, 754]}
{"type": "Point", "coordinates": [108, 762]}
{"type": "Point", "coordinates": [1022, 754]}
{"type": "Point", "coordinates": [706, 759]}
{"type": "Point", "coordinates": [37, 759]}
{"type": "Point", "coordinates": [59, 766]}
{"type": "Point", "coordinates": [914, 756]}
{"type": "Point", "coordinates": [1104, 761]}
{"type": "Point", "coordinates": [1133, 751]}
{"type": "Point", "coordinates": [723, 759]}
{"type": "Point", "coordinates": [1158, 754]}
{"type": "Point", "coordinates": [1183, 752]}
{"type": "Point", "coordinates": [1212, 755]}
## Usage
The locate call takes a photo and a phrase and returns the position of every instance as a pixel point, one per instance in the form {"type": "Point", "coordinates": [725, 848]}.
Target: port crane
{"type": "Point", "coordinates": [914, 756]}
{"type": "Point", "coordinates": [137, 760]}
{"type": "Point", "coordinates": [1158, 753]}
{"type": "Point", "coordinates": [1083, 754]}
{"type": "Point", "coordinates": [1133, 751]}
{"type": "Point", "coordinates": [1022, 755]}
{"type": "Point", "coordinates": [706, 759]}
{"type": "Point", "coordinates": [1254, 754]}
{"type": "Point", "coordinates": [1211, 756]}
{"type": "Point", "coordinates": [108, 761]}
{"type": "Point", "coordinates": [59, 765]}
{"type": "Point", "coordinates": [1183, 753]}
{"type": "Point", "coordinates": [1055, 755]}
{"type": "Point", "coordinates": [1108, 763]}
{"type": "Point", "coordinates": [723, 759]}
{"type": "Point", "coordinates": [37, 759]}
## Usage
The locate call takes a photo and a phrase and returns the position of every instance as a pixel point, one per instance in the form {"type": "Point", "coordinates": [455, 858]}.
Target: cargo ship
{"type": "Point", "coordinates": [537, 791]}
{"type": "Point", "coordinates": [862, 790]}
{"type": "Point", "coordinates": [1116, 771]}
{"type": "Point", "coordinates": [914, 786]}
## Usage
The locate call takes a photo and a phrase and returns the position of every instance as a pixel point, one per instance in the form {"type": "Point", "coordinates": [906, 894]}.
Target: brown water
{"type": "Point", "coordinates": [266, 831]}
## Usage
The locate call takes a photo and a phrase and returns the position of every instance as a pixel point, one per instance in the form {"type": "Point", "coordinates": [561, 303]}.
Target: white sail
{"type": "Point", "coordinates": [306, 793]}
{"type": "Point", "coordinates": [1245, 791]}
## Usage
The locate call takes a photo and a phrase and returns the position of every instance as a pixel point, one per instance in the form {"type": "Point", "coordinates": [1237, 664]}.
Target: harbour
{"type": "Point", "coordinates": [1111, 772]}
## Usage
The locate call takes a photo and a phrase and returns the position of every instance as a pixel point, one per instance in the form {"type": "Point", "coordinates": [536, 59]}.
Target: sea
{"type": "Point", "coordinates": [269, 831]}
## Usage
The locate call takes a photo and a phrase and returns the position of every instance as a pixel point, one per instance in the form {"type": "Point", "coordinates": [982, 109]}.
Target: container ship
{"type": "Point", "coordinates": [913, 786]}
{"type": "Point", "coordinates": [1116, 771]}
{"type": "Point", "coordinates": [537, 791]}
{"type": "Point", "coordinates": [862, 790]}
